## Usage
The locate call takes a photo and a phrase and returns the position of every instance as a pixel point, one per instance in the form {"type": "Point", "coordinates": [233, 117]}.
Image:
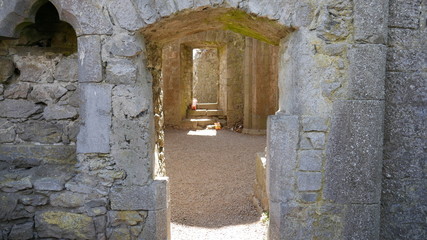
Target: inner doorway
{"type": "Point", "coordinates": [205, 84]}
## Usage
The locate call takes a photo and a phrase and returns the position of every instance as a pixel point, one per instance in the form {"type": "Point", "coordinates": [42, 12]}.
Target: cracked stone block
{"type": "Point", "coordinates": [22, 231]}
{"type": "Point", "coordinates": [17, 90]}
{"type": "Point", "coordinates": [67, 69]}
{"type": "Point", "coordinates": [47, 94]}
{"type": "Point", "coordinates": [41, 132]}
{"type": "Point", "coordinates": [121, 72]}
{"type": "Point", "coordinates": [57, 112]}
{"type": "Point", "coordinates": [126, 14]}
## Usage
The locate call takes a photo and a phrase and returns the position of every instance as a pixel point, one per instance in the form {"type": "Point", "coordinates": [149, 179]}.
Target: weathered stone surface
{"type": "Point", "coordinates": [354, 152]}
{"type": "Point", "coordinates": [86, 17]}
{"type": "Point", "coordinates": [7, 131]}
{"type": "Point", "coordinates": [34, 200]}
{"type": "Point", "coordinates": [57, 112]}
{"type": "Point", "coordinates": [22, 231]}
{"type": "Point", "coordinates": [17, 90]}
{"type": "Point", "coordinates": [129, 101]}
{"type": "Point", "coordinates": [156, 226]}
{"type": "Point", "coordinates": [313, 140]}
{"type": "Point", "coordinates": [119, 233]}
{"type": "Point", "coordinates": [406, 60]}
{"type": "Point", "coordinates": [126, 15]}
{"type": "Point", "coordinates": [404, 88]}
{"type": "Point", "coordinates": [282, 142]}
{"type": "Point", "coordinates": [95, 112]}
{"type": "Point", "coordinates": [404, 14]}
{"type": "Point", "coordinates": [6, 70]}
{"type": "Point", "coordinates": [7, 185]}
{"type": "Point", "coordinates": [315, 124]}
{"type": "Point", "coordinates": [370, 20]}
{"type": "Point", "coordinates": [310, 160]}
{"type": "Point", "coordinates": [33, 155]}
{"type": "Point", "coordinates": [49, 184]}
{"type": "Point", "coordinates": [90, 68]}
{"type": "Point", "coordinates": [152, 197]}
{"type": "Point", "coordinates": [123, 45]}
{"type": "Point", "coordinates": [37, 69]}
{"type": "Point", "coordinates": [41, 132]}
{"type": "Point", "coordinates": [18, 108]}
{"type": "Point", "coordinates": [406, 38]}
{"type": "Point", "coordinates": [131, 218]}
{"type": "Point", "coordinates": [58, 224]}
{"type": "Point", "coordinates": [367, 71]}
{"type": "Point", "coordinates": [67, 199]}
{"type": "Point", "coordinates": [309, 181]}
{"type": "Point", "coordinates": [147, 10]}
{"type": "Point", "coordinates": [8, 202]}
{"type": "Point", "coordinates": [121, 72]}
{"type": "Point", "coordinates": [66, 70]}
{"type": "Point", "coordinates": [363, 223]}
{"type": "Point", "coordinates": [47, 93]}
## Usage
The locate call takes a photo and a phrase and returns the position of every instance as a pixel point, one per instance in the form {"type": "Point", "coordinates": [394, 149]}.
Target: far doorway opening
{"type": "Point", "coordinates": [205, 84]}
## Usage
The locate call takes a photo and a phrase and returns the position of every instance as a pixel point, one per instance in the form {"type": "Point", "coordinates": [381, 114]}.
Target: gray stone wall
{"type": "Point", "coordinates": [404, 186]}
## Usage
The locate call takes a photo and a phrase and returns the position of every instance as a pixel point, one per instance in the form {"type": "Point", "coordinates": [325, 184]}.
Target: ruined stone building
{"type": "Point", "coordinates": [338, 86]}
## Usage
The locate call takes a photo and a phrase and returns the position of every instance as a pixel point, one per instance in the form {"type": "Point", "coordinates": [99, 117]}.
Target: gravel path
{"type": "Point", "coordinates": [211, 177]}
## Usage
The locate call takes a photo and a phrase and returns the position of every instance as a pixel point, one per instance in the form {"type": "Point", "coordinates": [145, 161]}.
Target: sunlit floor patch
{"type": "Point", "coordinates": [251, 231]}
{"type": "Point", "coordinates": [206, 132]}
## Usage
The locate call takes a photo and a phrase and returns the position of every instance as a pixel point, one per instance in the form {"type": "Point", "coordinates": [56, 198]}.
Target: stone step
{"type": "Point", "coordinates": [207, 105]}
{"type": "Point", "coordinates": [193, 123]}
{"type": "Point", "coordinates": [204, 112]}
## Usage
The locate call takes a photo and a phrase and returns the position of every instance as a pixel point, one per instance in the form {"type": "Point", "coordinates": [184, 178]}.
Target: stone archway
{"type": "Point", "coordinates": [320, 143]}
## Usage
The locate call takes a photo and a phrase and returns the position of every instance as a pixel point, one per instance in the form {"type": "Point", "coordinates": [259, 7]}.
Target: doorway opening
{"type": "Point", "coordinates": [205, 75]}
{"type": "Point", "coordinates": [246, 72]}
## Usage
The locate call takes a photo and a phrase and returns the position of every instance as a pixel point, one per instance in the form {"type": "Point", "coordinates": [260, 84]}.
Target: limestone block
{"type": "Point", "coordinates": [354, 152]}
{"type": "Point", "coordinates": [35, 69]}
{"type": "Point", "coordinates": [370, 21]}
{"type": "Point", "coordinates": [18, 108]}
{"type": "Point", "coordinates": [367, 71]}
{"type": "Point", "coordinates": [66, 70]}
{"type": "Point", "coordinates": [129, 101]}
{"type": "Point", "coordinates": [119, 233]}
{"type": "Point", "coordinates": [7, 131]}
{"type": "Point", "coordinates": [317, 124]}
{"type": "Point", "coordinates": [90, 67]}
{"type": "Point", "coordinates": [67, 199]}
{"type": "Point", "coordinates": [282, 141]}
{"type": "Point", "coordinates": [47, 93]}
{"type": "Point", "coordinates": [121, 72]}
{"type": "Point", "coordinates": [406, 38]}
{"type": "Point", "coordinates": [131, 218]}
{"type": "Point", "coordinates": [184, 4]}
{"type": "Point", "coordinates": [135, 163]}
{"type": "Point", "coordinates": [86, 17]}
{"type": "Point", "coordinates": [405, 14]}
{"type": "Point", "coordinates": [148, 10]}
{"type": "Point", "coordinates": [126, 15]}
{"type": "Point", "coordinates": [165, 8]}
{"type": "Point", "coordinates": [57, 112]}
{"type": "Point", "coordinates": [33, 155]}
{"type": "Point", "coordinates": [41, 132]}
{"type": "Point", "coordinates": [123, 45]}
{"type": "Point", "coordinates": [362, 221]}
{"type": "Point", "coordinates": [157, 225]}
{"type": "Point", "coordinates": [8, 185]}
{"type": "Point", "coordinates": [95, 112]}
{"type": "Point", "coordinates": [152, 197]}
{"type": "Point", "coordinates": [199, 3]}
{"type": "Point", "coordinates": [49, 184]}
{"type": "Point", "coordinates": [309, 181]}
{"type": "Point", "coordinates": [17, 90]}
{"type": "Point", "coordinates": [310, 160]}
{"type": "Point", "coordinates": [7, 69]}
{"type": "Point", "coordinates": [22, 231]}
{"type": "Point", "coordinates": [309, 197]}
{"type": "Point", "coordinates": [313, 140]}
{"type": "Point", "coordinates": [406, 60]}
{"type": "Point", "coordinates": [34, 200]}
{"type": "Point", "coordinates": [58, 224]}
{"type": "Point", "coordinates": [233, 3]}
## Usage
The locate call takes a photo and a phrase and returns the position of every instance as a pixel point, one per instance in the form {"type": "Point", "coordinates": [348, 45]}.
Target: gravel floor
{"type": "Point", "coordinates": [211, 178]}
